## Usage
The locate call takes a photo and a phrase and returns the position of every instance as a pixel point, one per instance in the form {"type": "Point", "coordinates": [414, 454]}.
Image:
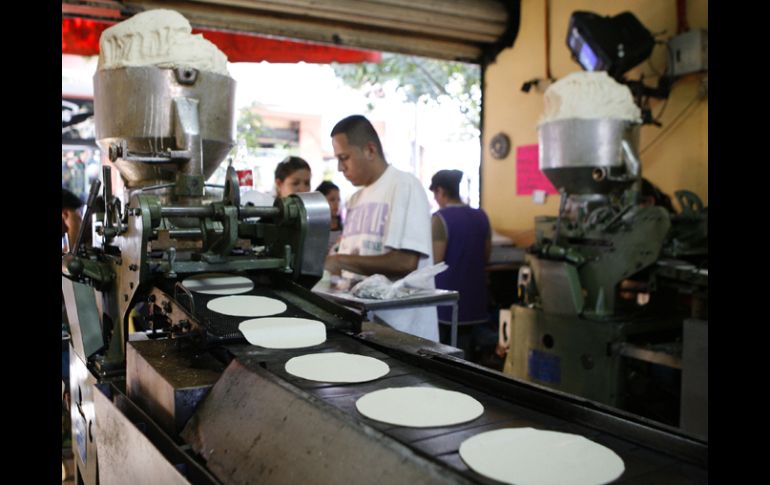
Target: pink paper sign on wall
{"type": "Point", "coordinates": [528, 174]}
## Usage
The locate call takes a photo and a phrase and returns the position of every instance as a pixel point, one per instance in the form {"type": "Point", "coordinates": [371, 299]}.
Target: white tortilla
{"type": "Point", "coordinates": [528, 456]}
{"type": "Point", "coordinates": [419, 407]}
{"type": "Point", "coordinates": [218, 284]}
{"type": "Point", "coordinates": [283, 332]}
{"type": "Point", "coordinates": [246, 306]}
{"type": "Point", "coordinates": [337, 367]}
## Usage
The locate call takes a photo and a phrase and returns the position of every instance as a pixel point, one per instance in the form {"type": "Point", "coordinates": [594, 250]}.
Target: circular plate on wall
{"type": "Point", "coordinates": [500, 146]}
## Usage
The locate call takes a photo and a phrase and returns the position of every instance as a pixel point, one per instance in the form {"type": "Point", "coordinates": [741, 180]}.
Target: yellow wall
{"type": "Point", "coordinates": [676, 160]}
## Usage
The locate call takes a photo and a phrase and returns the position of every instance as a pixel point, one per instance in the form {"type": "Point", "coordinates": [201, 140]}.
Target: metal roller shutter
{"type": "Point", "coordinates": [465, 30]}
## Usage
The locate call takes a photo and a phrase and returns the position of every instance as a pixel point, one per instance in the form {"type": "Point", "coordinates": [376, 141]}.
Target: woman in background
{"type": "Point", "coordinates": [292, 176]}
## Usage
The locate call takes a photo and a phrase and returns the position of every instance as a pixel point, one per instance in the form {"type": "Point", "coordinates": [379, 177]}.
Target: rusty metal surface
{"type": "Point", "coordinates": [256, 428]}
{"type": "Point", "coordinates": [132, 450]}
{"type": "Point", "coordinates": [168, 383]}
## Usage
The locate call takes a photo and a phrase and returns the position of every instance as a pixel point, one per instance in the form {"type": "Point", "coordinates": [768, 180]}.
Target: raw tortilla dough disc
{"type": "Point", "coordinates": [283, 332]}
{"type": "Point", "coordinates": [528, 456]}
{"type": "Point", "coordinates": [218, 284]}
{"type": "Point", "coordinates": [337, 367]}
{"type": "Point", "coordinates": [419, 407]}
{"type": "Point", "coordinates": [246, 306]}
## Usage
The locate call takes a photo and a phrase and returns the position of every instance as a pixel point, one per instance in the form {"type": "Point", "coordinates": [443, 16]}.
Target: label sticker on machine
{"type": "Point", "coordinates": [544, 366]}
{"type": "Point", "coordinates": [245, 177]}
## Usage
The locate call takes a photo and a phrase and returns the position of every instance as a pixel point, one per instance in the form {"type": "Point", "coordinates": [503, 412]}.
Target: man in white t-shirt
{"type": "Point", "coordinates": [387, 228]}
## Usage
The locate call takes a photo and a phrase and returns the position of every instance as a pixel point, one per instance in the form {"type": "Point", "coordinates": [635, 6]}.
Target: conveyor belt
{"type": "Point", "coordinates": [224, 326]}
{"type": "Point", "coordinates": [652, 453]}
{"type": "Point", "coordinates": [668, 459]}
{"type": "Point", "coordinates": [300, 303]}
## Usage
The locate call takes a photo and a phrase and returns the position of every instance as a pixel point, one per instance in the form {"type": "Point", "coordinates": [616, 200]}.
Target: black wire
{"type": "Point", "coordinates": [669, 58]}
{"type": "Point", "coordinates": [662, 109]}
{"type": "Point", "coordinates": [672, 123]}
{"type": "Point", "coordinates": [652, 68]}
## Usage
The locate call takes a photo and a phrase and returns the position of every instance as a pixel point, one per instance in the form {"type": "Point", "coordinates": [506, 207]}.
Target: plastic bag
{"type": "Point", "coordinates": [423, 277]}
{"type": "Point", "coordinates": [375, 287]}
{"type": "Point", "coordinates": [379, 287]}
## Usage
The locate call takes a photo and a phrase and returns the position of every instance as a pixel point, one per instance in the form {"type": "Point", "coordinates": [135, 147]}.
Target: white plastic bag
{"type": "Point", "coordinates": [422, 278]}
{"type": "Point", "coordinates": [375, 287]}
{"type": "Point", "coordinates": [378, 287]}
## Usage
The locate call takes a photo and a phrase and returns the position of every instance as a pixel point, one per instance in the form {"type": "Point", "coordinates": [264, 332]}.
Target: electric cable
{"type": "Point", "coordinates": [662, 109]}
{"type": "Point", "coordinates": [667, 70]}
{"type": "Point", "coordinates": [673, 123]}
{"type": "Point", "coordinates": [654, 70]}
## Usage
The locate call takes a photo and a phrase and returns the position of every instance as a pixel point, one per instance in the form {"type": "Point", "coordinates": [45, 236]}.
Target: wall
{"type": "Point", "coordinates": [676, 159]}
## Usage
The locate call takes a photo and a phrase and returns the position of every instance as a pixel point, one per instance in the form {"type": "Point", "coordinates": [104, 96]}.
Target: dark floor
{"type": "Point", "coordinates": [478, 342]}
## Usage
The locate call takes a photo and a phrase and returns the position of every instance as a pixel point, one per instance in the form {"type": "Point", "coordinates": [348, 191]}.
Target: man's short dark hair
{"type": "Point", "coordinates": [69, 200]}
{"type": "Point", "coordinates": [288, 166]}
{"type": "Point", "coordinates": [359, 131]}
{"type": "Point", "coordinates": [449, 180]}
{"type": "Point", "coordinates": [325, 187]}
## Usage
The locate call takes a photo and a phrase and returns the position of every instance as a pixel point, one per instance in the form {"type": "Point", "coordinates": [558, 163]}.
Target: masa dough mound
{"type": "Point", "coordinates": [161, 38]}
{"type": "Point", "coordinates": [589, 95]}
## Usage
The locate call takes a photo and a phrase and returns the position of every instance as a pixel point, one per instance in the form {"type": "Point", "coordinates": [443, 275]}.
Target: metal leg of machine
{"type": "Point", "coordinates": [695, 372]}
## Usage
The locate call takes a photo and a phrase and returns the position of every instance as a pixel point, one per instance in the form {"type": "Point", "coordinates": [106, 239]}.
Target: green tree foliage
{"type": "Point", "coordinates": [421, 80]}
{"type": "Point", "coordinates": [250, 125]}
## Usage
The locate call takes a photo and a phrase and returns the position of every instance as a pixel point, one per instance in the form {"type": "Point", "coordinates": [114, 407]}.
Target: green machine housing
{"type": "Point", "coordinates": [599, 314]}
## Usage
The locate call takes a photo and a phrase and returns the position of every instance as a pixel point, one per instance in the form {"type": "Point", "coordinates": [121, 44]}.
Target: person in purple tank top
{"type": "Point", "coordinates": [462, 238]}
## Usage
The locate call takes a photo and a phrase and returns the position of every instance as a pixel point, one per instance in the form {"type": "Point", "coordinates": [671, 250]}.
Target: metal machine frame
{"type": "Point", "coordinates": [583, 324]}
{"type": "Point", "coordinates": [191, 402]}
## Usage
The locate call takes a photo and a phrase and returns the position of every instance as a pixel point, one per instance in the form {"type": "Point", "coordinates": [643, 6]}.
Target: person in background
{"type": "Point", "coordinates": [387, 226]}
{"type": "Point", "coordinates": [462, 238]}
{"type": "Point", "coordinates": [292, 175]}
{"type": "Point", "coordinates": [70, 225]}
{"type": "Point", "coordinates": [332, 194]}
{"type": "Point", "coordinates": [70, 218]}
